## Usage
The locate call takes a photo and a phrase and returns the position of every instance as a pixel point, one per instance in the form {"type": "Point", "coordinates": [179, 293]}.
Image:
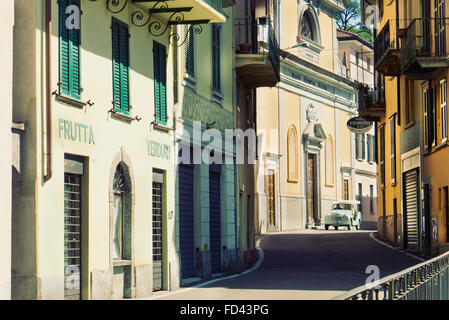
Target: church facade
{"type": "Point", "coordinates": [305, 151]}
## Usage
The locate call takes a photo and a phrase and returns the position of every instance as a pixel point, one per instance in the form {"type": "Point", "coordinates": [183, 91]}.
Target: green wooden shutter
{"type": "Point", "coordinates": [124, 68]}
{"type": "Point", "coordinates": [69, 53]}
{"type": "Point", "coordinates": [160, 82]}
{"type": "Point", "coordinates": [189, 51]}
{"type": "Point", "coordinates": [120, 66]}
{"type": "Point", "coordinates": [216, 57]}
{"type": "Point", "coordinates": [363, 146]}
{"type": "Point", "coordinates": [75, 43]}
{"type": "Point", "coordinates": [64, 50]}
{"type": "Point", "coordinates": [357, 153]}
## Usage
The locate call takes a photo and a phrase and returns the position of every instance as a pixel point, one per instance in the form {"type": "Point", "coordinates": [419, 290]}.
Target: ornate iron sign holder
{"type": "Point", "coordinates": [155, 27]}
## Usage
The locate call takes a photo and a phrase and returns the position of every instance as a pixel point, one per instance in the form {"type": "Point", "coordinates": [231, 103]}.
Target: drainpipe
{"type": "Point", "coordinates": [48, 94]}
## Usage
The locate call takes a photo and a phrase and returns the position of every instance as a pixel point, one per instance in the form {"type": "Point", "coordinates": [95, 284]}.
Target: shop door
{"type": "Point", "coordinates": [215, 218]}
{"type": "Point", "coordinates": [311, 189]}
{"type": "Point", "coordinates": [186, 222]}
{"type": "Point", "coordinates": [411, 209]}
{"type": "Point", "coordinates": [72, 236]}
{"type": "Point", "coordinates": [271, 205]}
{"type": "Point", "coordinates": [158, 231]}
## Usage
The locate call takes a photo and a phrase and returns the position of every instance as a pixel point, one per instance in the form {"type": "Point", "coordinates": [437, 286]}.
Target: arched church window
{"type": "Point", "coordinates": [307, 26]}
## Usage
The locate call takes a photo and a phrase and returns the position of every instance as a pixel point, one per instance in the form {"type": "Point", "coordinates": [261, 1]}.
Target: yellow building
{"type": "Point", "coordinates": [305, 151]}
{"type": "Point", "coordinates": [411, 62]}
{"type": "Point", "coordinates": [6, 61]}
{"type": "Point", "coordinates": [94, 204]}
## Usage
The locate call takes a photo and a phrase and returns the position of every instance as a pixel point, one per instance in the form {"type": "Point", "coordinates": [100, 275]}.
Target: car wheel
{"type": "Point", "coordinates": [326, 227]}
{"type": "Point", "coordinates": [336, 227]}
{"type": "Point", "coordinates": [358, 226]}
{"type": "Point", "coordinates": [349, 227]}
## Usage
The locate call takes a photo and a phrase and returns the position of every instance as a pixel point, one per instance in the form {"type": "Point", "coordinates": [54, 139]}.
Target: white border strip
{"type": "Point", "coordinates": [393, 248]}
{"type": "Point", "coordinates": [256, 266]}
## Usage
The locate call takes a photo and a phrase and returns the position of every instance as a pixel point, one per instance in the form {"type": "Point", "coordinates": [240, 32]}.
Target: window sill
{"type": "Point", "coordinates": [123, 117]}
{"type": "Point", "coordinates": [120, 263]}
{"type": "Point", "coordinates": [190, 82]}
{"type": "Point", "coordinates": [161, 127]}
{"type": "Point", "coordinates": [70, 101]}
{"type": "Point", "coordinates": [441, 145]}
{"type": "Point", "coordinates": [217, 97]}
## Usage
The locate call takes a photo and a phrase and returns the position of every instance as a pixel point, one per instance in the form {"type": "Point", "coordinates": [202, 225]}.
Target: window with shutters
{"type": "Point", "coordinates": [433, 121]}
{"type": "Point", "coordinates": [443, 110]}
{"type": "Point", "coordinates": [160, 82]}
{"type": "Point", "coordinates": [69, 52]}
{"type": "Point", "coordinates": [189, 57]}
{"type": "Point", "coordinates": [120, 66]}
{"type": "Point", "coordinates": [357, 146]}
{"type": "Point", "coordinates": [363, 146]}
{"type": "Point", "coordinates": [409, 102]}
{"type": "Point", "coordinates": [216, 63]}
{"type": "Point", "coordinates": [393, 148]}
{"type": "Point", "coordinates": [382, 156]}
{"type": "Point", "coordinates": [426, 119]}
{"type": "Point", "coordinates": [368, 147]}
{"type": "Point", "coordinates": [371, 199]}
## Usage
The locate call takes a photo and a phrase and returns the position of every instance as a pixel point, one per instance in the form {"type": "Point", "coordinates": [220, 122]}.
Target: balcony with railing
{"type": "Point", "coordinates": [387, 51]}
{"type": "Point", "coordinates": [257, 53]}
{"type": "Point", "coordinates": [424, 48]}
{"type": "Point", "coordinates": [371, 103]}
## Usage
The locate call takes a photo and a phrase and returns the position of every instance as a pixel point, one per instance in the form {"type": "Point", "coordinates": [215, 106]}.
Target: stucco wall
{"type": "Point", "coordinates": [6, 64]}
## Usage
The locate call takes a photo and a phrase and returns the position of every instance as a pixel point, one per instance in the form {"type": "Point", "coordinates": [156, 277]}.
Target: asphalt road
{"type": "Point", "coordinates": [311, 264]}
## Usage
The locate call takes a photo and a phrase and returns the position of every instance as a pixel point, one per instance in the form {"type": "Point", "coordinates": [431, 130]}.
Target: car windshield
{"type": "Point", "coordinates": [341, 206]}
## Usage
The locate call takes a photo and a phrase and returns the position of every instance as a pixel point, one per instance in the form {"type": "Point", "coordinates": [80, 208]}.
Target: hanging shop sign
{"type": "Point", "coordinates": [75, 131]}
{"type": "Point", "coordinates": [359, 125]}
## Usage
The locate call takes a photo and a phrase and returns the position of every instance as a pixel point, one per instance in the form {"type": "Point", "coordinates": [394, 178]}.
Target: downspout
{"type": "Point", "coordinates": [48, 81]}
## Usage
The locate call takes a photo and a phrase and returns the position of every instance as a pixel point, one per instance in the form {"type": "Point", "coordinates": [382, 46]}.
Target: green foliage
{"type": "Point", "coordinates": [349, 18]}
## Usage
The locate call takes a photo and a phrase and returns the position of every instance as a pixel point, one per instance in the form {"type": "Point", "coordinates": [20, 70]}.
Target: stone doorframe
{"type": "Point", "coordinates": [130, 200]}
{"type": "Point", "coordinates": [312, 137]}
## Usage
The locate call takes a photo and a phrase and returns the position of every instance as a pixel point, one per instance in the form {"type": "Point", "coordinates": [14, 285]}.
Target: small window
{"type": "Point", "coordinates": [443, 110]}
{"type": "Point", "coordinates": [393, 148]}
{"type": "Point", "coordinates": [189, 51]}
{"type": "Point", "coordinates": [120, 66]}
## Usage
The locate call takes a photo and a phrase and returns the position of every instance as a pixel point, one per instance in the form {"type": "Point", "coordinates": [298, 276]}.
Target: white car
{"type": "Point", "coordinates": [343, 213]}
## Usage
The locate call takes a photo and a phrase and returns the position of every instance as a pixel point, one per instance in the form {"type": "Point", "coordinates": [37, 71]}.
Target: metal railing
{"type": "Point", "coordinates": [370, 98]}
{"type": "Point", "coordinates": [258, 38]}
{"type": "Point", "coordinates": [425, 37]}
{"type": "Point", "coordinates": [426, 281]}
{"type": "Point", "coordinates": [216, 4]}
{"type": "Point", "coordinates": [385, 41]}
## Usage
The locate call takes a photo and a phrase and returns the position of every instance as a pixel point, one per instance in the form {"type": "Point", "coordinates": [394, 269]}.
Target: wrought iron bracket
{"type": "Point", "coordinates": [177, 17]}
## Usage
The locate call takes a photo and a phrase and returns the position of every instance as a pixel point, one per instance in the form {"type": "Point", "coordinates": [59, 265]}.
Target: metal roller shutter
{"type": "Point", "coordinates": [411, 209]}
{"type": "Point", "coordinates": [186, 222]}
{"type": "Point", "coordinates": [215, 219]}
{"type": "Point", "coordinates": [157, 234]}
{"type": "Point", "coordinates": [72, 236]}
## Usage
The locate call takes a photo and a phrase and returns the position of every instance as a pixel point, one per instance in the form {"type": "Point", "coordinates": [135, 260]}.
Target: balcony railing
{"type": "Point", "coordinates": [424, 48]}
{"type": "Point", "coordinates": [258, 38]}
{"type": "Point", "coordinates": [387, 49]}
{"type": "Point", "coordinates": [215, 4]}
{"type": "Point", "coordinates": [426, 281]}
{"type": "Point", "coordinates": [371, 103]}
